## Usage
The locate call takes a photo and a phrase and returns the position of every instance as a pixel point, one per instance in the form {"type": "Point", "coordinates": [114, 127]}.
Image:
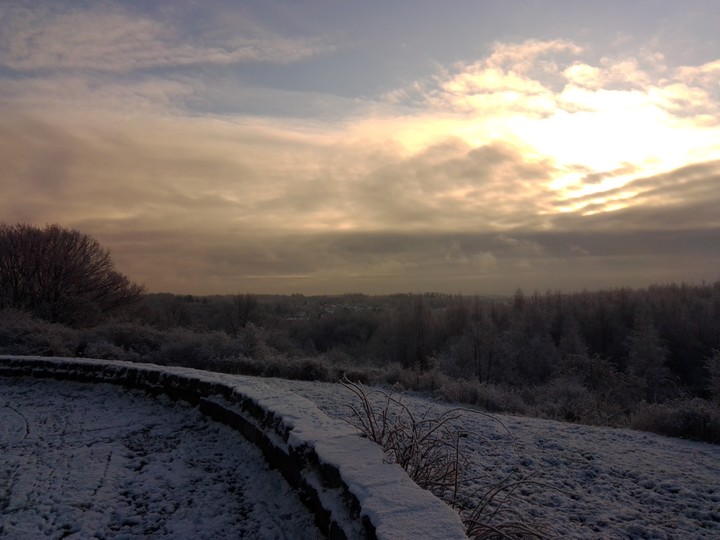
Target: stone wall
{"type": "Point", "coordinates": [340, 477]}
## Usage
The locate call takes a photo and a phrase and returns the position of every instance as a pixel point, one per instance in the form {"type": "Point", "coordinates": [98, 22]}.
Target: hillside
{"type": "Point", "coordinates": [575, 481]}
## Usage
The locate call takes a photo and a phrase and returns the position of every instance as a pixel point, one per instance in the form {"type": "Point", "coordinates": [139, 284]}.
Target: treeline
{"type": "Point", "coordinates": [664, 334]}
{"type": "Point", "coordinates": [644, 358]}
{"type": "Point", "coordinates": [648, 358]}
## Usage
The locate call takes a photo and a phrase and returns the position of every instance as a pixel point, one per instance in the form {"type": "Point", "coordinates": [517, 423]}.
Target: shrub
{"type": "Point", "coordinates": [489, 397]}
{"type": "Point", "coordinates": [696, 419]}
{"type": "Point", "coordinates": [237, 366]}
{"type": "Point", "coordinates": [460, 391]}
{"type": "Point", "coordinates": [254, 340]}
{"type": "Point", "coordinates": [22, 334]}
{"type": "Point", "coordinates": [494, 398]}
{"type": "Point", "coordinates": [565, 399]}
{"type": "Point", "coordinates": [712, 366]}
{"type": "Point", "coordinates": [308, 369]}
{"type": "Point", "coordinates": [195, 349]}
{"type": "Point", "coordinates": [390, 374]}
{"type": "Point", "coordinates": [430, 381]}
{"type": "Point", "coordinates": [140, 339]}
{"type": "Point", "coordinates": [107, 351]}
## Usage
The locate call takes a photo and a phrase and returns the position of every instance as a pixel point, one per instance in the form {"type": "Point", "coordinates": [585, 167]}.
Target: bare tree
{"type": "Point", "coordinates": [60, 275]}
{"type": "Point", "coordinates": [241, 311]}
{"type": "Point", "coordinates": [413, 333]}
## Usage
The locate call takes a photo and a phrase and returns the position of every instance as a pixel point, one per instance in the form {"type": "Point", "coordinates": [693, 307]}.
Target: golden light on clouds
{"type": "Point", "coordinates": [610, 122]}
{"type": "Point", "coordinates": [605, 118]}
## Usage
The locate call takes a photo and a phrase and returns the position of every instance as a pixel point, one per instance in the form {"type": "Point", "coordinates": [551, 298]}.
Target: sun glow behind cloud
{"type": "Point", "coordinates": [610, 120]}
{"type": "Point", "coordinates": [152, 148]}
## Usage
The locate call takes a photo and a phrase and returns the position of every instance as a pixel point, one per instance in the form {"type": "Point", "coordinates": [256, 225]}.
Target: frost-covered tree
{"type": "Point", "coordinates": [412, 328]}
{"type": "Point", "coordinates": [571, 340]}
{"type": "Point", "coordinates": [647, 357]}
{"type": "Point", "coordinates": [712, 365]}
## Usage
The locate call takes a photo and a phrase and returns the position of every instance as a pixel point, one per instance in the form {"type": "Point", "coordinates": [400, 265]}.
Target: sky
{"type": "Point", "coordinates": [328, 147]}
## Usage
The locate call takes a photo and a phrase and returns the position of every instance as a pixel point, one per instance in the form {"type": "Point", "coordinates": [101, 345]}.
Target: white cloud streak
{"type": "Point", "coordinates": [48, 38]}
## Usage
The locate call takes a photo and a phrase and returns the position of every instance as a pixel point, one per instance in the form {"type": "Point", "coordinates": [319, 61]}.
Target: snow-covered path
{"type": "Point", "coordinates": [606, 483]}
{"type": "Point", "coordinates": [97, 461]}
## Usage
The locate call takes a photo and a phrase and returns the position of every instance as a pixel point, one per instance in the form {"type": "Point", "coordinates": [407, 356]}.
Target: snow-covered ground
{"type": "Point", "coordinates": [593, 482]}
{"type": "Point", "coordinates": [98, 461]}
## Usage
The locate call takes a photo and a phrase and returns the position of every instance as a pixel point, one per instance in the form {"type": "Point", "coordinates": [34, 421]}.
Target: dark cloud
{"type": "Point", "coordinates": [453, 186]}
{"type": "Point", "coordinates": [592, 177]}
{"type": "Point", "coordinates": [391, 262]}
{"type": "Point", "coordinates": [686, 198]}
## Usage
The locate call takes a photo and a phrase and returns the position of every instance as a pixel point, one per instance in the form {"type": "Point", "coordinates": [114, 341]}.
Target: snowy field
{"type": "Point", "coordinates": [97, 461]}
{"type": "Point", "coordinates": [597, 482]}
{"type": "Point", "coordinates": [84, 461]}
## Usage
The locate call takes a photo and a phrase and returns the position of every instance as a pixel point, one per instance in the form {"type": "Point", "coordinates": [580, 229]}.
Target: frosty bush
{"type": "Point", "coordinates": [196, 349]}
{"type": "Point", "coordinates": [254, 340]}
{"type": "Point", "coordinates": [490, 397]}
{"type": "Point", "coordinates": [424, 381]}
{"type": "Point", "coordinates": [712, 366]}
{"type": "Point", "coordinates": [696, 419]}
{"type": "Point", "coordinates": [495, 398]}
{"type": "Point", "coordinates": [22, 334]}
{"type": "Point", "coordinates": [566, 399]}
{"type": "Point", "coordinates": [307, 369]}
{"type": "Point", "coordinates": [140, 339]}
{"type": "Point", "coordinates": [107, 351]}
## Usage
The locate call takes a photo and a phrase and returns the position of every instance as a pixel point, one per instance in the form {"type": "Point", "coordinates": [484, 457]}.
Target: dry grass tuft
{"type": "Point", "coordinates": [431, 450]}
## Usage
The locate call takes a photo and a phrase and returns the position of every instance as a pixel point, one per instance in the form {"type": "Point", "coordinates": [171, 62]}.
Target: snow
{"type": "Point", "coordinates": [396, 507]}
{"type": "Point", "coordinates": [366, 488]}
{"type": "Point", "coordinates": [84, 475]}
{"type": "Point", "coordinates": [84, 461]}
{"type": "Point", "coordinates": [592, 482]}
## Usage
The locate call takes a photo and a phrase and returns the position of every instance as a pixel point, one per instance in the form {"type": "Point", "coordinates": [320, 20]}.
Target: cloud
{"type": "Point", "coordinates": [55, 37]}
{"type": "Point", "coordinates": [543, 90]}
{"type": "Point", "coordinates": [509, 80]}
{"type": "Point", "coordinates": [261, 177]}
{"type": "Point", "coordinates": [388, 262]}
{"type": "Point", "coordinates": [685, 198]}
{"type": "Point", "coordinates": [57, 95]}
{"type": "Point", "coordinates": [706, 75]}
{"type": "Point", "coordinates": [205, 206]}
{"type": "Point", "coordinates": [534, 166]}
{"type": "Point", "coordinates": [452, 186]}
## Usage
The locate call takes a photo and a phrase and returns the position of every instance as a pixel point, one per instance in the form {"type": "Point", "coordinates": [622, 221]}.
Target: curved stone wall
{"type": "Point", "coordinates": [341, 477]}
